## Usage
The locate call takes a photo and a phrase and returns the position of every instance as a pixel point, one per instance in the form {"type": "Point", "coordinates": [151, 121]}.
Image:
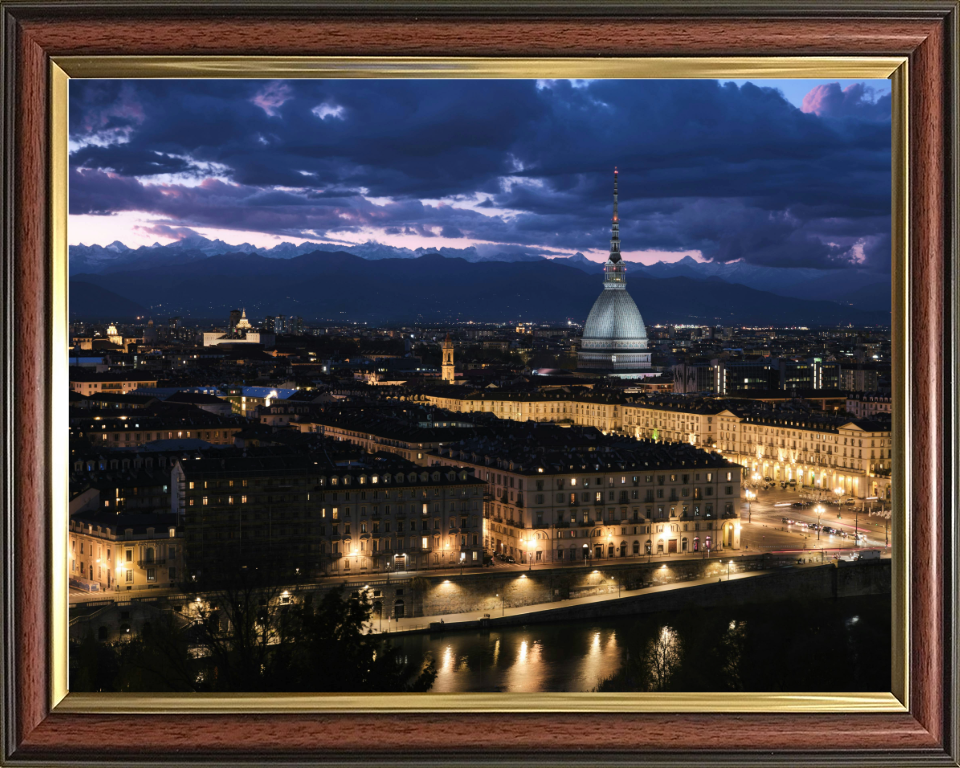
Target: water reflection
{"type": "Point", "coordinates": [647, 652]}
{"type": "Point", "coordinates": [528, 659]}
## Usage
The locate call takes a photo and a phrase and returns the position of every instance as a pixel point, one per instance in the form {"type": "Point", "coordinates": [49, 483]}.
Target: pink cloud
{"type": "Point", "coordinates": [856, 100]}
{"type": "Point", "coordinates": [273, 96]}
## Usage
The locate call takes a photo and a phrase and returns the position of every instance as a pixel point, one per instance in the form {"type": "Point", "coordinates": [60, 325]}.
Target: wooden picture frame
{"type": "Point", "coordinates": [40, 728]}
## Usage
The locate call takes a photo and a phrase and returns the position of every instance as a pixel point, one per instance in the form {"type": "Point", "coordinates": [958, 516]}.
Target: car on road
{"type": "Point", "coordinates": [509, 559]}
{"type": "Point", "coordinates": [812, 525]}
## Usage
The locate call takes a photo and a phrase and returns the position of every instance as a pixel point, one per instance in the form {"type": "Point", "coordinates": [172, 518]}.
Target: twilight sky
{"type": "Point", "coordinates": [776, 172]}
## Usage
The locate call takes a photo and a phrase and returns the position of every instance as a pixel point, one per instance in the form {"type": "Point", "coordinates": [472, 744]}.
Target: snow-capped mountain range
{"type": "Point", "coordinates": [859, 288]}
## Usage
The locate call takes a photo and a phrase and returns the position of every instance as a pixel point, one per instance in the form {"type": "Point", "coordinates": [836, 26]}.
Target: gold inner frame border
{"type": "Point", "coordinates": [64, 68]}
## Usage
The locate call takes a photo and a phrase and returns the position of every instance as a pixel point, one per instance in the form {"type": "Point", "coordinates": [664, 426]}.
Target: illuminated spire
{"type": "Point", "coordinates": [615, 238]}
{"type": "Point", "coordinates": [614, 271]}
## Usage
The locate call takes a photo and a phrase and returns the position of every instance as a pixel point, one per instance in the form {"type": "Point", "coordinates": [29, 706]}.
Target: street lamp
{"type": "Point", "coordinates": [586, 552]}
{"type": "Point", "coordinates": [729, 562]}
{"type": "Point", "coordinates": [502, 609]}
{"type": "Point", "coordinates": [819, 512]}
{"type": "Point", "coordinates": [750, 497]}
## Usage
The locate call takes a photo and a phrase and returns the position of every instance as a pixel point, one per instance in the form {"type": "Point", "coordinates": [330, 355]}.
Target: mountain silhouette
{"type": "Point", "coordinates": [338, 286]}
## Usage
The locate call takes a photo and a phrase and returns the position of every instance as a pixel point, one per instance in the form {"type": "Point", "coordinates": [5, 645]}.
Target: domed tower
{"type": "Point", "coordinates": [614, 337]}
{"type": "Point", "coordinates": [446, 368]}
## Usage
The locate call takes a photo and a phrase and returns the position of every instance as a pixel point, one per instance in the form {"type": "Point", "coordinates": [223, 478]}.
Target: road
{"type": "Point", "coordinates": [768, 532]}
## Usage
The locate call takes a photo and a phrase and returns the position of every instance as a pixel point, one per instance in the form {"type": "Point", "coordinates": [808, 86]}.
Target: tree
{"type": "Point", "coordinates": [662, 658]}
{"type": "Point", "coordinates": [250, 637]}
{"type": "Point", "coordinates": [331, 648]}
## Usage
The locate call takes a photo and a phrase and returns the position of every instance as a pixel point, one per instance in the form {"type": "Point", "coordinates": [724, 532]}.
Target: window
{"type": "Point", "coordinates": [151, 574]}
{"type": "Point", "coordinates": [129, 575]}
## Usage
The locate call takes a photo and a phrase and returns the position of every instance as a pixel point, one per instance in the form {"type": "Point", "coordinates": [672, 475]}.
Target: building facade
{"type": "Point", "coordinates": [119, 553]}
{"type": "Point", "coordinates": [303, 519]}
{"type": "Point", "coordinates": [699, 424]}
{"type": "Point", "coordinates": [571, 507]}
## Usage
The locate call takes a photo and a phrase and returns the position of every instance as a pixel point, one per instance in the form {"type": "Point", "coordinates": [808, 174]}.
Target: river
{"type": "Point", "coordinates": [822, 645]}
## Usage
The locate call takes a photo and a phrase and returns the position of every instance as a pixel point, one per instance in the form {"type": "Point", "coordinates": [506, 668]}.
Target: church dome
{"type": "Point", "coordinates": [615, 317]}
{"type": "Point", "coordinates": [614, 336]}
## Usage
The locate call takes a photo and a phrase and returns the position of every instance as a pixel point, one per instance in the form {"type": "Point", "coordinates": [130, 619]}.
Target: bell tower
{"type": "Point", "coordinates": [447, 366]}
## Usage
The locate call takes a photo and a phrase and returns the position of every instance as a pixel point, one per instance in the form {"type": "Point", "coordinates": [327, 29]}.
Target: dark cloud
{"type": "Point", "coordinates": [735, 172]}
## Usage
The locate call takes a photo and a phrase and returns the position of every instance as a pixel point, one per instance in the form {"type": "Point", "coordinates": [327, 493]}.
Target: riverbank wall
{"type": "Point", "coordinates": [491, 592]}
{"type": "Point", "coordinates": [808, 583]}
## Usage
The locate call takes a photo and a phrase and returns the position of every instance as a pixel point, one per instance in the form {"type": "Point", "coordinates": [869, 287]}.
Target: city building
{"type": "Point", "coordinates": [614, 336]}
{"type": "Point", "coordinates": [866, 405]}
{"type": "Point", "coordinates": [561, 495]}
{"type": "Point", "coordinates": [863, 377]}
{"type": "Point", "coordinates": [242, 326]}
{"type": "Point", "coordinates": [411, 435]}
{"type": "Point", "coordinates": [246, 400]}
{"type": "Point", "coordinates": [134, 431]}
{"type": "Point", "coordinates": [302, 517]}
{"type": "Point", "coordinates": [447, 370]}
{"type": "Point", "coordinates": [697, 422]}
{"type": "Point", "coordinates": [89, 383]}
{"type": "Point", "coordinates": [119, 553]}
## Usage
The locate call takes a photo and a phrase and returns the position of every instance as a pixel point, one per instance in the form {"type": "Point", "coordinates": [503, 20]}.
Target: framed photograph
{"type": "Point", "coordinates": [97, 98]}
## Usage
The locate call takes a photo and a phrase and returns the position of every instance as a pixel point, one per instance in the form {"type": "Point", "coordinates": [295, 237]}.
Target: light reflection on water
{"type": "Point", "coordinates": [576, 657]}
{"type": "Point", "coordinates": [524, 660]}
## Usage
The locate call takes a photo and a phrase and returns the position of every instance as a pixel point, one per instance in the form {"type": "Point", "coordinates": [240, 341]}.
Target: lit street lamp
{"type": "Point", "coordinates": [752, 487]}
{"type": "Point", "coordinates": [750, 497]}
{"type": "Point", "coordinates": [729, 562]}
{"type": "Point", "coordinates": [819, 512]}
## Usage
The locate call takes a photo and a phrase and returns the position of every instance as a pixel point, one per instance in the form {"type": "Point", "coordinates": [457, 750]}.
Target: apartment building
{"type": "Point", "coordinates": [119, 553]}
{"type": "Point", "coordinates": [553, 504]}
{"type": "Point", "coordinates": [134, 431]}
{"type": "Point", "coordinates": [303, 517]}
{"type": "Point", "coordinates": [718, 425]}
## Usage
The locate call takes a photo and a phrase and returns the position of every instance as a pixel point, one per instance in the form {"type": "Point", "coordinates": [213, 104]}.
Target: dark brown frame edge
{"type": "Point", "coordinates": [926, 32]}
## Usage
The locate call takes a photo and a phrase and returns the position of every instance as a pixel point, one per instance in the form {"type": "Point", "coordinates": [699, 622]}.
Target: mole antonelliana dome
{"type": "Point", "coordinates": [614, 337]}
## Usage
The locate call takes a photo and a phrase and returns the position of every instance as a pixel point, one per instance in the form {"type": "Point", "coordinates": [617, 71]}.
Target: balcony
{"type": "Point", "coordinates": [150, 563]}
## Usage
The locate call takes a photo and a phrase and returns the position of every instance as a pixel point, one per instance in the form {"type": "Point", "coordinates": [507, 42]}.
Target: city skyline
{"type": "Point", "coordinates": [791, 174]}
